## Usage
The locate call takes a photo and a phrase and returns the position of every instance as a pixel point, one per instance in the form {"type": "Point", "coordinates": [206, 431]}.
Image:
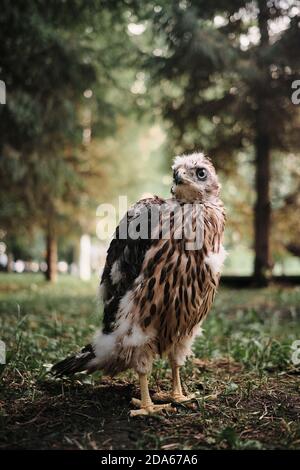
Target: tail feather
{"type": "Point", "coordinates": [75, 363]}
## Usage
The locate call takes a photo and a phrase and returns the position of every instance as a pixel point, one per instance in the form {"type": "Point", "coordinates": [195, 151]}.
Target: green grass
{"type": "Point", "coordinates": [247, 387]}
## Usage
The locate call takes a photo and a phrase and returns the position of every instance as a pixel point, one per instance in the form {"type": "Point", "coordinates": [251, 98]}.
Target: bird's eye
{"type": "Point", "coordinates": [201, 174]}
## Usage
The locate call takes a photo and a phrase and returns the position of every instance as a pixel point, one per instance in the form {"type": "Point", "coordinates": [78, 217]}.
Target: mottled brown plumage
{"type": "Point", "coordinates": [158, 289]}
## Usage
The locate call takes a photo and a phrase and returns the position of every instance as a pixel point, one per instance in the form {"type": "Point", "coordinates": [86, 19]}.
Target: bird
{"type": "Point", "coordinates": [159, 282]}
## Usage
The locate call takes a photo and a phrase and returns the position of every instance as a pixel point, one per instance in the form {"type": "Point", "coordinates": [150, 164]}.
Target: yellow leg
{"type": "Point", "coordinates": [177, 395]}
{"type": "Point", "coordinates": [145, 403]}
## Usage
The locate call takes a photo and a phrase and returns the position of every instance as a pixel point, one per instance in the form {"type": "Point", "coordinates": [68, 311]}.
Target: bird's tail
{"type": "Point", "coordinates": [77, 363]}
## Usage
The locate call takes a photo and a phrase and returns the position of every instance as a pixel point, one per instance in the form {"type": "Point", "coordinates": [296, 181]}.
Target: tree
{"type": "Point", "coordinates": [225, 71]}
{"type": "Point", "coordinates": [52, 56]}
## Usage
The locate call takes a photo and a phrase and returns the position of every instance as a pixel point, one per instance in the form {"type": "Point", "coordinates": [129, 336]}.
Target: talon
{"type": "Point", "coordinates": [151, 409]}
{"type": "Point", "coordinates": [162, 396]}
{"type": "Point", "coordinates": [173, 397]}
{"type": "Point", "coordinates": [183, 398]}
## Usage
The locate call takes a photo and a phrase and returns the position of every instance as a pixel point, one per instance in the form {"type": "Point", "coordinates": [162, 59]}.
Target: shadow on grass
{"type": "Point", "coordinates": [72, 415]}
{"type": "Point", "coordinates": [237, 409]}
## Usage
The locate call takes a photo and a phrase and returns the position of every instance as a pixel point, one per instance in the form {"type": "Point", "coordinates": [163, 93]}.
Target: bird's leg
{"type": "Point", "coordinates": [146, 405]}
{"type": "Point", "coordinates": [176, 395]}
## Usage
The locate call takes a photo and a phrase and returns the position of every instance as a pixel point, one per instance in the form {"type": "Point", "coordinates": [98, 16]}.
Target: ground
{"type": "Point", "coordinates": [246, 383]}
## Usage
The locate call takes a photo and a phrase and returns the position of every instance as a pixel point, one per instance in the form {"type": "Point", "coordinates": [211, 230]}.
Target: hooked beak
{"type": "Point", "coordinates": [177, 178]}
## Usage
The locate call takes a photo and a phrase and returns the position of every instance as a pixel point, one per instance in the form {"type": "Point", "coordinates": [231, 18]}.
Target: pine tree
{"type": "Point", "coordinates": [225, 71]}
{"type": "Point", "coordinates": [52, 55]}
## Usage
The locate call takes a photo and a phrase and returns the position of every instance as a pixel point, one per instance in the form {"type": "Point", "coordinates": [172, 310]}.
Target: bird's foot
{"type": "Point", "coordinates": [150, 409]}
{"type": "Point", "coordinates": [173, 397]}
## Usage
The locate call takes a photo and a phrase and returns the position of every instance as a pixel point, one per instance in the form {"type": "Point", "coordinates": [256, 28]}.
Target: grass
{"type": "Point", "coordinates": [246, 384]}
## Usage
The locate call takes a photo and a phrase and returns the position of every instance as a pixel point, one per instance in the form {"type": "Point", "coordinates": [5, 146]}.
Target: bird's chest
{"type": "Point", "coordinates": [202, 270]}
{"type": "Point", "coordinates": [197, 291]}
{"type": "Point", "coordinates": [179, 281]}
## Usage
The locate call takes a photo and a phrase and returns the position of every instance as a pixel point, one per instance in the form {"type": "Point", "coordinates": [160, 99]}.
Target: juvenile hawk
{"type": "Point", "coordinates": [160, 278]}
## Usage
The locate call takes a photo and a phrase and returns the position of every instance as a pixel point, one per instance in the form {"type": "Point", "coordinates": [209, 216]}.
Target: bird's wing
{"type": "Point", "coordinates": [124, 260]}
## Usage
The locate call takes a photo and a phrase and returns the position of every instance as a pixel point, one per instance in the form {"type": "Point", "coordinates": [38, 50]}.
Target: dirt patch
{"type": "Point", "coordinates": [235, 409]}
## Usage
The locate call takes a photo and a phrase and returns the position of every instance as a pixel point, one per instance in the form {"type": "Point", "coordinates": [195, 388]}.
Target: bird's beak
{"type": "Point", "coordinates": [177, 178]}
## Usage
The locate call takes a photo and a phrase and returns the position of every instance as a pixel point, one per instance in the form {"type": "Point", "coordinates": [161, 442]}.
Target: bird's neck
{"type": "Point", "coordinates": [210, 199]}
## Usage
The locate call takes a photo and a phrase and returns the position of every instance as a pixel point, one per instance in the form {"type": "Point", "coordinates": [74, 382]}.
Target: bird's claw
{"type": "Point", "coordinates": [173, 397]}
{"type": "Point", "coordinates": [150, 409]}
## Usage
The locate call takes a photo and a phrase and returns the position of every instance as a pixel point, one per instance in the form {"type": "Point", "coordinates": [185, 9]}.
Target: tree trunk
{"type": "Point", "coordinates": [10, 262]}
{"type": "Point", "coordinates": [51, 256]}
{"type": "Point", "coordinates": [262, 215]}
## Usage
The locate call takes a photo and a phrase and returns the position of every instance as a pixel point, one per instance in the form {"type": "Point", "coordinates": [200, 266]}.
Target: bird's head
{"type": "Point", "coordinates": [194, 178]}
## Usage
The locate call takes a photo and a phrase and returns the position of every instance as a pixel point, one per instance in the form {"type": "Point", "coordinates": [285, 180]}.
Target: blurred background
{"type": "Point", "coordinates": [100, 96]}
{"type": "Point", "coordinates": [96, 98]}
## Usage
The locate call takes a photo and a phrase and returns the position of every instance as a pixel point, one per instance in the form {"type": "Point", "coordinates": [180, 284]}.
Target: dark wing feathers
{"type": "Point", "coordinates": [75, 363]}
{"type": "Point", "coordinates": [130, 254]}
